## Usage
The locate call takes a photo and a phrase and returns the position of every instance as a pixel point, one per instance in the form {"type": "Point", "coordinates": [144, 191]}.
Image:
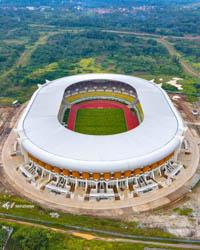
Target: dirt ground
{"type": "Point", "coordinates": [6, 114]}
{"type": "Point", "coordinates": [8, 118]}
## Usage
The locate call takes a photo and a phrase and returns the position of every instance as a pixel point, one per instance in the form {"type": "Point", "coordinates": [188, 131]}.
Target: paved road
{"type": "Point", "coordinates": [152, 35]}
{"type": "Point", "coordinates": [94, 237]}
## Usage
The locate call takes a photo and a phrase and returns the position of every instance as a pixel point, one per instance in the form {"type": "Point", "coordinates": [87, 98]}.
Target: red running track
{"type": "Point", "coordinates": [131, 119]}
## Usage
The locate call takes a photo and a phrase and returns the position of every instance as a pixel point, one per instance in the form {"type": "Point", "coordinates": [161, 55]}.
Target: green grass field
{"type": "Point", "coordinates": [100, 121]}
{"type": "Point", "coordinates": [66, 116]}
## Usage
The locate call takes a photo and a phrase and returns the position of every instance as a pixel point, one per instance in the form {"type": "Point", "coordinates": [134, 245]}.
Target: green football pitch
{"type": "Point", "coordinates": [100, 121]}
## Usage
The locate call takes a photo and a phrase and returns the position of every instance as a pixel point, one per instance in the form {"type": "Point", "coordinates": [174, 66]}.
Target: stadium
{"type": "Point", "coordinates": [100, 137]}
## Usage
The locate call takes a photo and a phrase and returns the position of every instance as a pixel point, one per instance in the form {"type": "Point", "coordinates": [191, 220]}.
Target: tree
{"type": "Point", "coordinates": [3, 237]}
{"type": "Point", "coordinates": [31, 239]}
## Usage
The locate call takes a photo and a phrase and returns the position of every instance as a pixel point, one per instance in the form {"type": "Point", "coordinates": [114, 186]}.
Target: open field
{"type": "Point", "coordinates": [100, 121]}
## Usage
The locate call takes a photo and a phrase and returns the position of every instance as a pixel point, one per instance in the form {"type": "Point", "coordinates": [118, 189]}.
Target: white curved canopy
{"type": "Point", "coordinates": [45, 138]}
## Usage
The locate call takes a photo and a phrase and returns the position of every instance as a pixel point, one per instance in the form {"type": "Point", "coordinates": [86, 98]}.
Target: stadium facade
{"type": "Point", "coordinates": [100, 167]}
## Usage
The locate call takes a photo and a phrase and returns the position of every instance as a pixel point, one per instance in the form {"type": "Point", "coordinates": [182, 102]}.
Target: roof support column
{"type": "Point", "coordinates": [152, 172]}
{"type": "Point", "coordinates": [127, 182]}
{"type": "Point", "coordinates": [178, 149]}
{"type": "Point", "coordinates": [49, 176]}
{"type": "Point", "coordinates": [42, 173]}
{"type": "Point", "coordinates": [117, 184]}
{"type": "Point", "coordinates": [76, 183]}
{"type": "Point", "coordinates": [107, 185]}
{"type": "Point", "coordinates": [86, 184]}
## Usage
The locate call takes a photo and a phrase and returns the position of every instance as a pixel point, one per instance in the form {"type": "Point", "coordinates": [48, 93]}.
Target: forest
{"type": "Point", "coordinates": [98, 3]}
{"type": "Point", "coordinates": [44, 44]}
{"type": "Point", "coordinates": [59, 54]}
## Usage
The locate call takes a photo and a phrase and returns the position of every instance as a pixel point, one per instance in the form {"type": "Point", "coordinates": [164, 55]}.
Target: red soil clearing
{"type": "Point", "coordinates": [131, 119]}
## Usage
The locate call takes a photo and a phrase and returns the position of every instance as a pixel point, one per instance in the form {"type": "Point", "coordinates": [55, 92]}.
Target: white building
{"type": "Point", "coordinates": [100, 165]}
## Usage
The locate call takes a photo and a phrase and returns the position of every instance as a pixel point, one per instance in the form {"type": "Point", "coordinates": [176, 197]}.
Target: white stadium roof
{"type": "Point", "coordinates": [45, 138]}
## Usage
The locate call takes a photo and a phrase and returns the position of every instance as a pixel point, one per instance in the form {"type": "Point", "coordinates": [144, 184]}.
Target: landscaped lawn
{"type": "Point", "coordinates": [100, 121]}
